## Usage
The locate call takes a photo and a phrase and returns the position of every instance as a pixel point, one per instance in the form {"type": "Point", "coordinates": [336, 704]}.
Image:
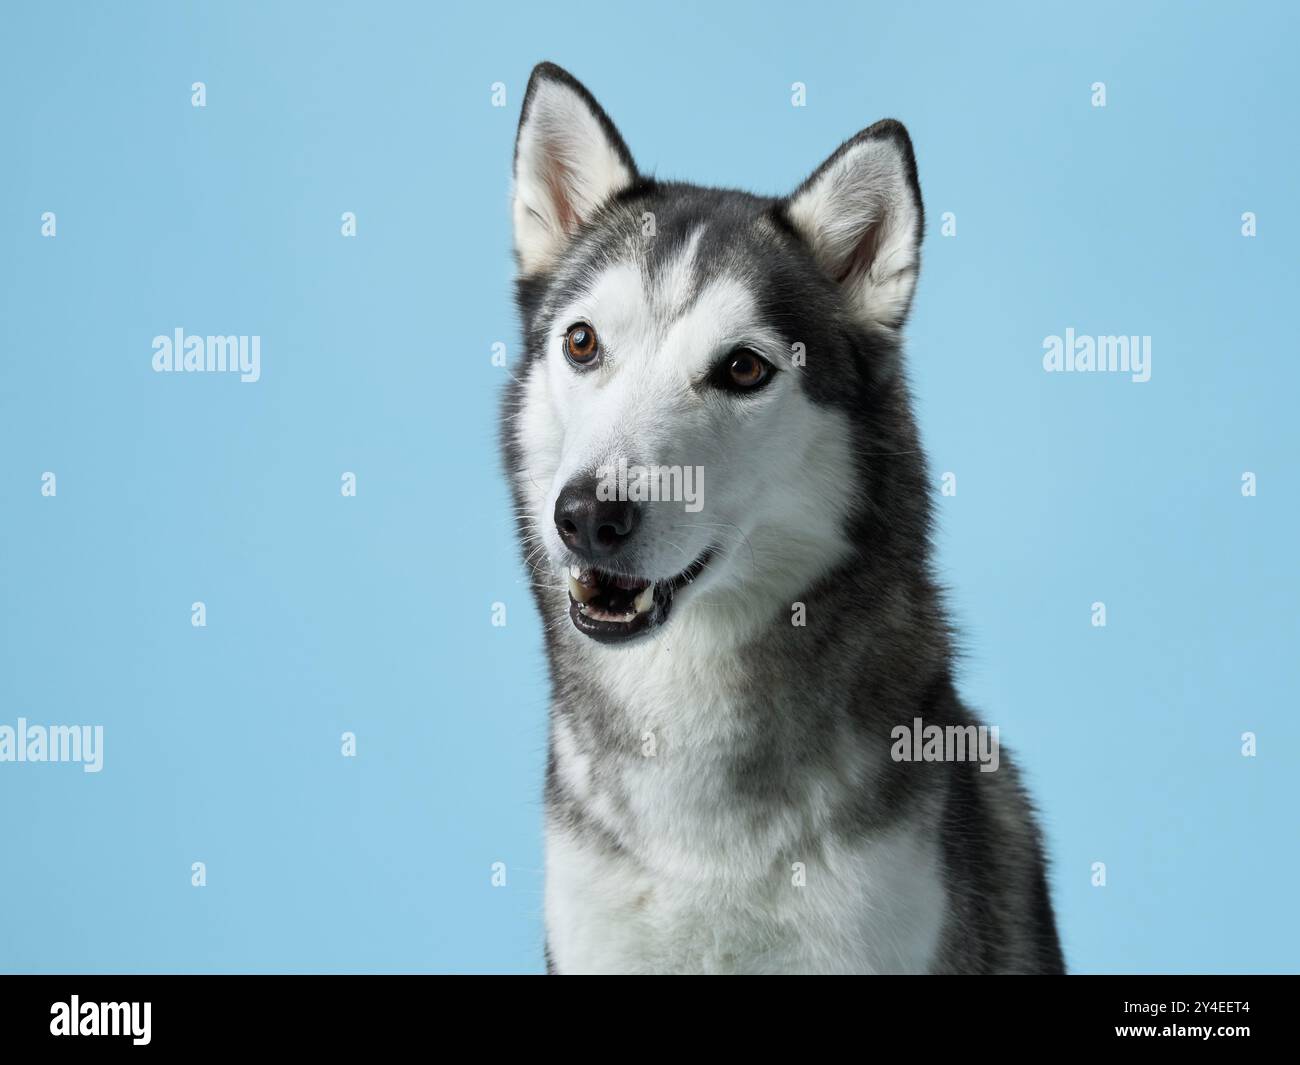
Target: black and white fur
{"type": "Point", "coordinates": [767, 830]}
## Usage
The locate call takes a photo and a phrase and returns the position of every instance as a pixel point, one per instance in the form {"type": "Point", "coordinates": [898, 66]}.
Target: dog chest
{"type": "Point", "coordinates": [870, 907]}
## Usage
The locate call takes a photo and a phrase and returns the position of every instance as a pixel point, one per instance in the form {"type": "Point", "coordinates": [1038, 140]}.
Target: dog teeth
{"type": "Point", "coordinates": [585, 586]}
{"type": "Point", "coordinates": [580, 592]}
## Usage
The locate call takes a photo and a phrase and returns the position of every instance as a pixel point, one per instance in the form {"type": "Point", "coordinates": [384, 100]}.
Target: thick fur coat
{"type": "Point", "coordinates": [720, 791]}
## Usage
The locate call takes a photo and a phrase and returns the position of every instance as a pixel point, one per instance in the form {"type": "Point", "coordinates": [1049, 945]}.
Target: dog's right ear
{"type": "Point", "coordinates": [569, 160]}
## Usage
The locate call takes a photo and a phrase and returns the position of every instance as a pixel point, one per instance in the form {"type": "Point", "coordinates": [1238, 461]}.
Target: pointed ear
{"type": "Point", "coordinates": [861, 214]}
{"type": "Point", "coordinates": [569, 160]}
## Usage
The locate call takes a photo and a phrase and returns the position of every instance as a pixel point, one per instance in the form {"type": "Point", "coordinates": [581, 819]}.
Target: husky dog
{"type": "Point", "coordinates": [727, 677]}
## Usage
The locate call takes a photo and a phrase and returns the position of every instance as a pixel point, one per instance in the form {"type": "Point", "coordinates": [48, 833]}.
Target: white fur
{"type": "Point", "coordinates": [705, 891]}
{"type": "Point", "coordinates": [876, 908]}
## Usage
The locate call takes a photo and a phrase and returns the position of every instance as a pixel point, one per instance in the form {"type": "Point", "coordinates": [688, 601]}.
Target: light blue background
{"type": "Point", "coordinates": [372, 614]}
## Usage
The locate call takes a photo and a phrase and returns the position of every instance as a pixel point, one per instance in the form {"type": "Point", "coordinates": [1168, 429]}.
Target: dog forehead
{"type": "Point", "coordinates": [668, 302]}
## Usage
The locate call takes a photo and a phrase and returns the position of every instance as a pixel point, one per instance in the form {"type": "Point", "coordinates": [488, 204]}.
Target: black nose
{"type": "Point", "coordinates": [592, 527]}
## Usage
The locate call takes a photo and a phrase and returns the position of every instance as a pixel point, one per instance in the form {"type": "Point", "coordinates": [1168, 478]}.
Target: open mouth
{"type": "Point", "coordinates": [611, 607]}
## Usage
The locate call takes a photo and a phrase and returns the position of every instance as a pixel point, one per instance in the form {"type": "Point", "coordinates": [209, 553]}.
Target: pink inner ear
{"type": "Point", "coordinates": [557, 185]}
{"type": "Point", "coordinates": [859, 260]}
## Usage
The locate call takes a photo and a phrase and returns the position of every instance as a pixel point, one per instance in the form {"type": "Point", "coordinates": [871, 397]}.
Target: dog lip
{"type": "Point", "coordinates": [587, 582]}
{"type": "Point", "coordinates": [608, 631]}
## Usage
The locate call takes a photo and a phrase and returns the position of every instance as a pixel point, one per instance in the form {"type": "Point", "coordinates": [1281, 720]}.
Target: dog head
{"type": "Point", "coordinates": [682, 432]}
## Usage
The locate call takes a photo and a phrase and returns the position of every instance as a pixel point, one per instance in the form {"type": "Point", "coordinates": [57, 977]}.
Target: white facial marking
{"type": "Point", "coordinates": [778, 470]}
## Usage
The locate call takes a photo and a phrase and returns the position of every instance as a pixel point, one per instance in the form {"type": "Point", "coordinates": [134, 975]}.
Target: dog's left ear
{"type": "Point", "coordinates": [861, 213]}
{"type": "Point", "coordinates": [569, 160]}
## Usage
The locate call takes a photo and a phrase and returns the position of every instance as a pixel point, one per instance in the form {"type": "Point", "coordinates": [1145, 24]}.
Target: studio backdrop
{"type": "Point", "coordinates": [273, 694]}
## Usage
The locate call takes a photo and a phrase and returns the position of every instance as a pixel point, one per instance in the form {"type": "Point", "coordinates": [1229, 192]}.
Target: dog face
{"type": "Point", "coordinates": [681, 432]}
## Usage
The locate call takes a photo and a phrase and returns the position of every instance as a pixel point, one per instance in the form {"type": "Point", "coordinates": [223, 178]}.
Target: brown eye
{"type": "Point", "coordinates": [580, 344]}
{"type": "Point", "coordinates": [742, 371]}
